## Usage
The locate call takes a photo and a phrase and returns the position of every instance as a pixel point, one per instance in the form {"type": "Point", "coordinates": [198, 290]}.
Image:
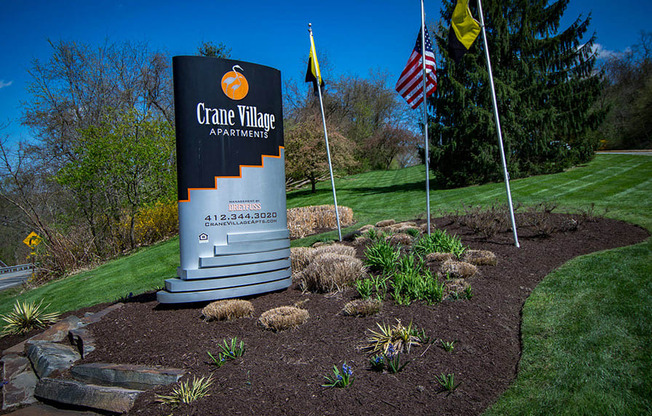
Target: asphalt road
{"type": "Point", "coordinates": [8, 280]}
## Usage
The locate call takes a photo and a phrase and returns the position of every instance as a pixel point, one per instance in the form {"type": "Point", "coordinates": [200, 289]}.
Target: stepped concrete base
{"type": "Point", "coordinates": [110, 399]}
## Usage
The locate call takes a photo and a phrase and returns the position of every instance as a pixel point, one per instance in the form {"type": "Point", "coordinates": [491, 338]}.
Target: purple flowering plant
{"type": "Point", "coordinates": [340, 378]}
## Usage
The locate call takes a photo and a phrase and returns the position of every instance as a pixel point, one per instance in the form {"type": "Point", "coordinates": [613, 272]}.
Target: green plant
{"type": "Point", "coordinates": [447, 382]}
{"type": "Point", "coordinates": [382, 257]}
{"type": "Point", "coordinates": [187, 392]}
{"type": "Point", "coordinates": [217, 361]}
{"type": "Point", "coordinates": [448, 346]}
{"type": "Point", "coordinates": [377, 363]}
{"type": "Point", "coordinates": [365, 288]}
{"type": "Point", "coordinates": [410, 286]}
{"type": "Point", "coordinates": [439, 241]}
{"type": "Point", "coordinates": [27, 316]}
{"type": "Point", "coordinates": [393, 360]}
{"type": "Point", "coordinates": [413, 232]}
{"type": "Point", "coordinates": [232, 349]}
{"type": "Point", "coordinates": [342, 378]}
{"type": "Point", "coordinates": [400, 337]}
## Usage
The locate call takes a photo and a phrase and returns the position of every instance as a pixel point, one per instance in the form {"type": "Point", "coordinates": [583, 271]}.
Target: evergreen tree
{"type": "Point", "coordinates": [545, 86]}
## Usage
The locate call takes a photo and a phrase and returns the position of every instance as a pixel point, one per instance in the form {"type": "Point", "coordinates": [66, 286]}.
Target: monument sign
{"type": "Point", "coordinates": [233, 232]}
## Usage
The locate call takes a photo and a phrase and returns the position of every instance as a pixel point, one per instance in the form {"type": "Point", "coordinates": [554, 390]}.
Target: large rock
{"type": "Point", "coordinates": [110, 399]}
{"type": "Point", "coordinates": [83, 340]}
{"type": "Point", "coordinates": [57, 332]}
{"type": "Point", "coordinates": [21, 381]}
{"type": "Point", "coordinates": [125, 375]}
{"type": "Point", "coordinates": [48, 357]}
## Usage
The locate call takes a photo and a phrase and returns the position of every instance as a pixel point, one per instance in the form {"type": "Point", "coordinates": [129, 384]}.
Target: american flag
{"type": "Point", "coordinates": [410, 84]}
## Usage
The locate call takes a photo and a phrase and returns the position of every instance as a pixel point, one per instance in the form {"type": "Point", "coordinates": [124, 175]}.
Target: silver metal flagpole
{"type": "Point", "coordinates": [425, 110]}
{"type": "Point", "coordinates": [500, 135]}
{"type": "Point", "coordinates": [323, 118]}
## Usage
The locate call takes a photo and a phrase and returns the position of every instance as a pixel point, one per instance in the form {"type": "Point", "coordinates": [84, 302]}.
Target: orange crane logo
{"type": "Point", "coordinates": [234, 84]}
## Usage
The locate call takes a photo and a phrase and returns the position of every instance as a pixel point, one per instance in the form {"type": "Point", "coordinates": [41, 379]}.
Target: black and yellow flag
{"type": "Point", "coordinates": [313, 74]}
{"type": "Point", "coordinates": [463, 32]}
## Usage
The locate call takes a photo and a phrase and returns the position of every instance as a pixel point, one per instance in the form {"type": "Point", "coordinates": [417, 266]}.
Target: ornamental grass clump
{"type": "Point", "coordinates": [458, 269]}
{"type": "Point", "coordinates": [329, 272]}
{"type": "Point", "coordinates": [336, 249]}
{"type": "Point", "coordinates": [362, 307]}
{"type": "Point", "coordinates": [300, 257]}
{"type": "Point", "coordinates": [187, 392]}
{"type": "Point", "coordinates": [225, 310]}
{"type": "Point", "coordinates": [27, 316]}
{"type": "Point", "coordinates": [283, 317]}
{"type": "Point", "coordinates": [400, 337]}
{"type": "Point", "coordinates": [480, 257]}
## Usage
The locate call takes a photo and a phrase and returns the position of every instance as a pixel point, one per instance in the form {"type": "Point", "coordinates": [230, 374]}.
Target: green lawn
{"type": "Point", "coordinates": [586, 327]}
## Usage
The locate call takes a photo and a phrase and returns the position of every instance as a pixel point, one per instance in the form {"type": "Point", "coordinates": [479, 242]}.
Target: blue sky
{"type": "Point", "coordinates": [356, 35]}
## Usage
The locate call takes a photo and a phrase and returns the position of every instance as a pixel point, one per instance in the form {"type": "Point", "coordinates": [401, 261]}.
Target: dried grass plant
{"type": "Point", "coordinates": [300, 257]}
{"type": "Point", "coordinates": [283, 317]}
{"type": "Point", "coordinates": [458, 269]}
{"type": "Point", "coordinates": [303, 221]}
{"type": "Point", "coordinates": [335, 248]}
{"type": "Point", "coordinates": [439, 257]}
{"type": "Point", "coordinates": [400, 239]}
{"type": "Point", "coordinates": [329, 272]}
{"type": "Point", "coordinates": [454, 288]}
{"type": "Point", "coordinates": [385, 223]}
{"type": "Point", "coordinates": [362, 307]}
{"type": "Point", "coordinates": [225, 310]}
{"type": "Point", "coordinates": [480, 257]}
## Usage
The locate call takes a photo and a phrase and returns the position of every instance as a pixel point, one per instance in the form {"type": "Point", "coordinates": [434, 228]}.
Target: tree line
{"type": "Point", "coordinates": [100, 177]}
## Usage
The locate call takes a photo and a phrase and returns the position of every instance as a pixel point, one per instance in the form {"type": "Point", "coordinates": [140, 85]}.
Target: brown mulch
{"type": "Point", "coordinates": [282, 373]}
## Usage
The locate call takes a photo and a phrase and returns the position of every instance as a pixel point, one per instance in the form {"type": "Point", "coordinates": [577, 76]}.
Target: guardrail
{"type": "Point", "coordinates": [16, 268]}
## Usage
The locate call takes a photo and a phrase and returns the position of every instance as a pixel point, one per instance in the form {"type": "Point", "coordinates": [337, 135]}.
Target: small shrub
{"type": "Point", "coordinates": [187, 392]}
{"type": "Point", "coordinates": [485, 221]}
{"type": "Point", "coordinates": [458, 269]}
{"type": "Point", "coordinates": [228, 309]}
{"type": "Point", "coordinates": [362, 307]}
{"type": "Point", "coordinates": [283, 317]}
{"type": "Point", "coordinates": [480, 257]}
{"type": "Point", "coordinates": [330, 272]}
{"type": "Point", "coordinates": [27, 316]}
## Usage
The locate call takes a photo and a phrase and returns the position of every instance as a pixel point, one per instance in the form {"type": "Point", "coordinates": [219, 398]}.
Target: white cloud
{"type": "Point", "coordinates": [603, 53]}
{"type": "Point", "coordinates": [5, 84]}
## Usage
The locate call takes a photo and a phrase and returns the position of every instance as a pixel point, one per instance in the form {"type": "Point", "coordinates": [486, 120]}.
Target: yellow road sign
{"type": "Point", "coordinates": [33, 240]}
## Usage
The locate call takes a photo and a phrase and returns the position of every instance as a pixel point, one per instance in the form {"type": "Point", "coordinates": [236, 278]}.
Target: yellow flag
{"type": "Point", "coordinates": [463, 32]}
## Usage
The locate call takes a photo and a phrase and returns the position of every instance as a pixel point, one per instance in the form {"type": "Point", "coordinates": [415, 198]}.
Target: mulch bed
{"type": "Point", "coordinates": [282, 373]}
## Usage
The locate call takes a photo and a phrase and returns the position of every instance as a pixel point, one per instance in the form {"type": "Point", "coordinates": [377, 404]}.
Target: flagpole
{"type": "Point", "coordinates": [425, 110]}
{"type": "Point", "coordinates": [500, 135]}
{"type": "Point", "coordinates": [328, 152]}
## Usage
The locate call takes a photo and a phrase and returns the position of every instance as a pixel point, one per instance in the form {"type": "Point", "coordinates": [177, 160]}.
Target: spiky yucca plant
{"type": "Point", "coordinates": [187, 392]}
{"type": "Point", "coordinates": [398, 336]}
{"type": "Point", "coordinates": [27, 316]}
